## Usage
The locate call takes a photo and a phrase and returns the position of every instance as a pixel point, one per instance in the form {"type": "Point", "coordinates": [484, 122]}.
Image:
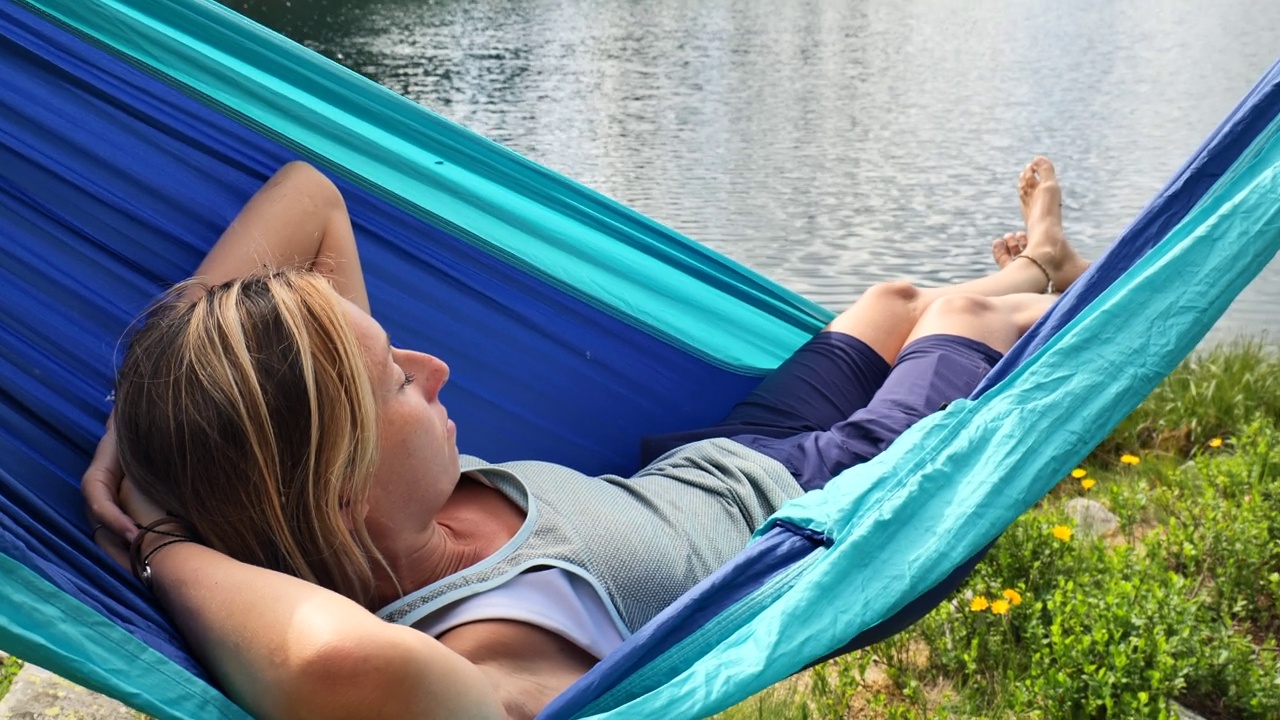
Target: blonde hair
{"type": "Point", "coordinates": [249, 411]}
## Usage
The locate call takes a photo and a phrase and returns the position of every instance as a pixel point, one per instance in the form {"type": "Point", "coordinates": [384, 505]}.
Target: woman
{"type": "Point", "coordinates": [319, 472]}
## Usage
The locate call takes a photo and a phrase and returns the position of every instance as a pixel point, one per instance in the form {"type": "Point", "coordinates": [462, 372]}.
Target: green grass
{"type": "Point", "coordinates": [1180, 604]}
{"type": "Point", "coordinates": [9, 668]}
{"type": "Point", "coordinates": [1214, 394]}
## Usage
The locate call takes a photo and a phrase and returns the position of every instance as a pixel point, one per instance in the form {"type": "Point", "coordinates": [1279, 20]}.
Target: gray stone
{"type": "Point", "coordinates": [1092, 518]}
{"type": "Point", "coordinates": [1183, 713]}
{"type": "Point", "coordinates": [38, 694]}
{"type": "Point", "coordinates": [1190, 470]}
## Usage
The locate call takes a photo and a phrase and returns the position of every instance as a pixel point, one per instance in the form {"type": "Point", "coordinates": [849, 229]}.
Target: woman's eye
{"type": "Point", "coordinates": [408, 379]}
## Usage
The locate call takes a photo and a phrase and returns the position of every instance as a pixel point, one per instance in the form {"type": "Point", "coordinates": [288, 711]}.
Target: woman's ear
{"type": "Point", "coordinates": [347, 512]}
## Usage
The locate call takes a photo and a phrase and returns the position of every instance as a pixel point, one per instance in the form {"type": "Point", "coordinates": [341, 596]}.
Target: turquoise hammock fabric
{"type": "Point", "coordinates": [898, 524]}
{"type": "Point", "coordinates": [606, 305]}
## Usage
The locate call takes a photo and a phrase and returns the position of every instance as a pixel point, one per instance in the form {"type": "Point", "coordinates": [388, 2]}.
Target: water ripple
{"type": "Point", "coordinates": [829, 144]}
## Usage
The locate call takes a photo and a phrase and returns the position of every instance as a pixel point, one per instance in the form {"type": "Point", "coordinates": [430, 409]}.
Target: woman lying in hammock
{"type": "Point", "coordinates": [315, 471]}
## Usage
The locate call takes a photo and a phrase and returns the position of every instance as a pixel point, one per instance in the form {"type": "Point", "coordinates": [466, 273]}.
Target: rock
{"type": "Point", "coordinates": [1092, 518]}
{"type": "Point", "coordinates": [1190, 469]}
{"type": "Point", "coordinates": [37, 694]}
{"type": "Point", "coordinates": [1183, 713]}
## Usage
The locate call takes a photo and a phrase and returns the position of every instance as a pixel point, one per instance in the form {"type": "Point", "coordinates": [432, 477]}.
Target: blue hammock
{"type": "Point", "coordinates": [131, 131]}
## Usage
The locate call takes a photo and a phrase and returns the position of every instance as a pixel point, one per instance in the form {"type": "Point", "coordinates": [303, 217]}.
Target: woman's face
{"type": "Point", "coordinates": [418, 452]}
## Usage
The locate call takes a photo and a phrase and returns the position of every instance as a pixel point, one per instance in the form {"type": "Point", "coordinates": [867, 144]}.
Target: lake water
{"type": "Point", "coordinates": [829, 144]}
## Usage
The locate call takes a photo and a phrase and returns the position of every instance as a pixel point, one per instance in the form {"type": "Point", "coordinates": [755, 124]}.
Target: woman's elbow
{"type": "Point", "coordinates": [396, 674]}
{"type": "Point", "coordinates": [331, 680]}
{"type": "Point", "coordinates": [302, 180]}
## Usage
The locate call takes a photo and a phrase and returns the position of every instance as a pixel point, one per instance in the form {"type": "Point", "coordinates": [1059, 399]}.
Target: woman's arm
{"type": "Point", "coordinates": [282, 647]}
{"type": "Point", "coordinates": [285, 648]}
{"type": "Point", "coordinates": [298, 218]}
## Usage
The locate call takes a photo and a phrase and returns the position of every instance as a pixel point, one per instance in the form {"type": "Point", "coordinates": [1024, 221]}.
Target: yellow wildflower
{"type": "Point", "coordinates": [1215, 443]}
{"type": "Point", "coordinates": [1088, 483]}
{"type": "Point", "coordinates": [1000, 607]}
{"type": "Point", "coordinates": [1079, 473]}
{"type": "Point", "coordinates": [1062, 532]}
{"type": "Point", "coordinates": [1013, 596]}
{"type": "Point", "coordinates": [979, 604]}
{"type": "Point", "coordinates": [1128, 459]}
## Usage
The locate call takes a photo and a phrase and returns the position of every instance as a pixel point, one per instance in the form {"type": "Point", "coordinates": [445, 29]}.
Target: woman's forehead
{"type": "Point", "coordinates": [372, 338]}
{"type": "Point", "coordinates": [369, 332]}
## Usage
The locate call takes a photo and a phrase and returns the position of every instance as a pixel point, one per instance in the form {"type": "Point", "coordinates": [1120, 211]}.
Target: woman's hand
{"type": "Point", "coordinates": [117, 508]}
{"type": "Point", "coordinates": [113, 529]}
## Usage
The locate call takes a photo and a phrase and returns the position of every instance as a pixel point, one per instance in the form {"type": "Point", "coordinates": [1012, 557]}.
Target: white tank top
{"type": "Point", "coordinates": [553, 599]}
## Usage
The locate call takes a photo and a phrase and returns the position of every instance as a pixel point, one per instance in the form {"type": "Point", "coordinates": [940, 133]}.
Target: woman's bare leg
{"type": "Point", "coordinates": [998, 322]}
{"type": "Point", "coordinates": [887, 314]}
{"type": "Point", "coordinates": [1046, 250]}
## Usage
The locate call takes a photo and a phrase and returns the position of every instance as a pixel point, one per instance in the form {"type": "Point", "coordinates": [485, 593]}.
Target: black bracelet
{"type": "Point", "coordinates": [166, 520]}
{"type": "Point", "coordinates": [138, 563]}
{"type": "Point", "coordinates": [144, 573]}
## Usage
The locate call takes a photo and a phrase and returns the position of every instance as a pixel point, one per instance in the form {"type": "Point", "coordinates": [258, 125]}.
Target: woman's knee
{"type": "Point", "coordinates": [888, 307]}
{"type": "Point", "coordinates": [961, 307]}
{"type": "Point", "coordinates": [897, 293]}
{"type": "Point", "coordinates": [882, 317]}
{"type": "Point", "coordinates": [972, 316]}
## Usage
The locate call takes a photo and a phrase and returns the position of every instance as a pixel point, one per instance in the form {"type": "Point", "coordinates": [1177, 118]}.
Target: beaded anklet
{"type": "Point", "coordinates": [1043, 269]}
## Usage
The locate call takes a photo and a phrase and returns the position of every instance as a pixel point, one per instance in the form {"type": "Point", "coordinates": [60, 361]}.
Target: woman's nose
{"type": "Point", "coordinates": [437, 373]}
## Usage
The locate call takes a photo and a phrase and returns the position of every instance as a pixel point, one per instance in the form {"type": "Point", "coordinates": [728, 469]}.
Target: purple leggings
{"type": "Point", "coordinates": [836, 403]}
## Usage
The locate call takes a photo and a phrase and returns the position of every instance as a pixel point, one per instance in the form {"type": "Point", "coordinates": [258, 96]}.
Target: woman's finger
{"type": "Point", "coordinates": [116, 547]}
{"type": "Point", "coordinates": [100, 486]}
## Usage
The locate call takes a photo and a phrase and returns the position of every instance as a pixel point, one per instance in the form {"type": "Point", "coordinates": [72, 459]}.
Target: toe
{"type": "Point", "coordinates": [1011, 245]}
{"type": "Point", "coordinates": [1007, 247]}
{"type": "Point", "coordinates": [1027, 183]}
{"type": "Point", "coordinates": [1000, 251]}
{"type": "Point", "coordinates": [1044, 169]}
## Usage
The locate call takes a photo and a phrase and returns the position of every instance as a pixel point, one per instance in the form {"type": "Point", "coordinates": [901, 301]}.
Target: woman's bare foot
{"type": "Point", "coordinates": [1047, 246]}
{"type": "Point", "coordinates": [1007, 247]}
